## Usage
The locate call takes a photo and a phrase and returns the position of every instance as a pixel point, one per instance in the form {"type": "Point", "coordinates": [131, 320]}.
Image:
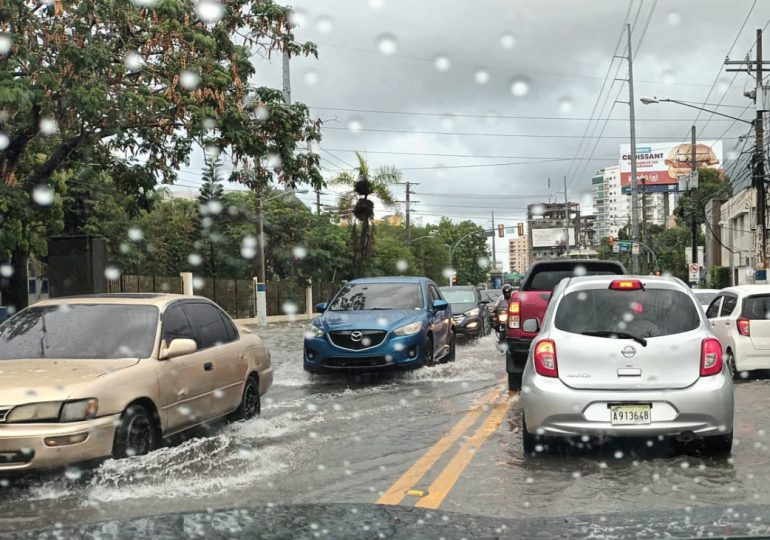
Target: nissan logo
{"type": "Point", "coordinates": [356, 336]}
{"type": "Point", "coordinates": [628, 351]}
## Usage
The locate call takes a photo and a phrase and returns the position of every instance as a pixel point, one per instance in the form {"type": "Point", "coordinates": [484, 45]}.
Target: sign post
{"type": "Point", "coordinates": [694, 271]}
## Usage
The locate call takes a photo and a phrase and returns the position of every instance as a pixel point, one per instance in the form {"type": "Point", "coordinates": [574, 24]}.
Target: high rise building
{"type": "Point", "coordinates": [553, 229]}
{"type": "Point", "coordinates": [518, 254]}
{"type": "Point", "coordinates": [612, 207]}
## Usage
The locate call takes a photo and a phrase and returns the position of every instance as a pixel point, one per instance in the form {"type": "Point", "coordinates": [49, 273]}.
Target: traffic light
{"type": "Point", "coordinates": [501, 230]}
{"type": "Point", "coordinates": [520, 229]}
{"type": "Point", "coordinates": [610, 240]}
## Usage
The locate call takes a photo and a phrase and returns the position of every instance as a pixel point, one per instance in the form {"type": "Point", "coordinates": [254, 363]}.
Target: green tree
{"type": "Point", "coordinates": [210, 208]}
{"type": "Point", "coordinates": [357, 203]}
{"type": "Point", "coordinates": [710, 185]}
{"type": "Point", "coordinates": [471, 255]}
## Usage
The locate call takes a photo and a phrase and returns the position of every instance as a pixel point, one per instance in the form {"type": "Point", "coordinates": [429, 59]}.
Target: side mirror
{"type": "Point", "coordinates": [440, 305]}
{"type": "Point", "coordinates": [320, 308]}
{"type": "Point", "coordinates": [178, 347]}
{"type": "Point", "coordinates": [531, 325]}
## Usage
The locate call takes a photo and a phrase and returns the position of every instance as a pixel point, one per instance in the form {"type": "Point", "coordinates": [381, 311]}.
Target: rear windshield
{"type": "Point", "coordinates": [459, 296]}
{"type": "Point", "coordinates": [756, 307]}
{"type": "Point", "coordinates": [648, 313]}
{"type": "Point", "coordinates": [547, 280]}
{"type": "Point", "coordinates": [358, 296]}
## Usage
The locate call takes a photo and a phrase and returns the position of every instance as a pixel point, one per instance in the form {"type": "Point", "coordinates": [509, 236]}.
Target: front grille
{"type": "Point", "coordinates": [4, 413]}
{"type": "Point", "coordinates": [459, 317]}
{"type": "Point", "coordinates": [357, 340]}
{"type": "Point", "coordinates": [360, 362]}
{"type": "Point", "coordinates": [13, 457]}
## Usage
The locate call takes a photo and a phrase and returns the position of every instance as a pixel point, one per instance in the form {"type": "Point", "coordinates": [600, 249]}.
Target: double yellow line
{"type": "Point", "coordinates": [445, 481]}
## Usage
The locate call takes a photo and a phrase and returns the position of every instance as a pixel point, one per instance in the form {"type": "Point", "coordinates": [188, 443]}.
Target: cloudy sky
{"type": "Point", "coordinates": [443, 90]}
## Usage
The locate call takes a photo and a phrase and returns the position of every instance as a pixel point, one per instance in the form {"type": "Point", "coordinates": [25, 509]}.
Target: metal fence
{"type": "Point", "coordinates": [127, 283]}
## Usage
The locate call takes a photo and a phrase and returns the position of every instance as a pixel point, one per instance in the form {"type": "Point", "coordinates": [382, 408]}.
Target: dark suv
{"type": "Point", "coordinates": [469, 311]}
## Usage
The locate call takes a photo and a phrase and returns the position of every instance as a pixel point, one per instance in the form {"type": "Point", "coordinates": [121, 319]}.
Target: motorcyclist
{"type": "Point", "coordinates": [502, 300]}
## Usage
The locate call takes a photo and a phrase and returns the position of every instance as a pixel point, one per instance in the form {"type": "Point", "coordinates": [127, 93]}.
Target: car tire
{"type": "Point", "coordinates": [427, 351]}
{"type": "Point", "coordinates": [251, 404]}
{"type": "Point", "coordinates": [450, 357]}
{"type": "Point", "coordinates": [514, 382]}
{"type": "Point", "coordinates": [718, 445]}
{"type": "Point", "coordinates": [730, 361]}
{"type": "Point", "coordinates": [136, 434]}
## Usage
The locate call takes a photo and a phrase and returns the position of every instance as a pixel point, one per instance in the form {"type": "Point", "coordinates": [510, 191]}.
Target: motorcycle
{"type": "Point", "coordinates": [502, 320]}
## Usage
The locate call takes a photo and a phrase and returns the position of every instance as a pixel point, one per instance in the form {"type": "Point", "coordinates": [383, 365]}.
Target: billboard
{"type": "Point", "coordinates": [551, 237]}
{"type": "Point", "coordinates": [659, 164]}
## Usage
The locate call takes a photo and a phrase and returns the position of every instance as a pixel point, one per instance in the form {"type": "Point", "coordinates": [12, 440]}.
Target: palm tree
{"type": "Point", "coordinates": [357, 202]}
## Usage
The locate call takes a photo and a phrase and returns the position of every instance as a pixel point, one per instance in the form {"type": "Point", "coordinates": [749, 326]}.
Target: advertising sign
{"type": "Point", "coordinates": [551, 237]}
{"type": "Point", "coordinates": [658, 165]}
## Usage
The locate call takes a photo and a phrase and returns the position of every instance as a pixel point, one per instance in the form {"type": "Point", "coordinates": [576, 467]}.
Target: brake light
{"type": "Point", "coordinates": [710, 357]}
{"type": "Point", "coordinates": [545, 358]}
{"type": "Point", "coordinates": [744, 326]}
{"type": "Point", "coordinates": [626, 285]}
{"type": "Point", "coordinates": [514, 308]}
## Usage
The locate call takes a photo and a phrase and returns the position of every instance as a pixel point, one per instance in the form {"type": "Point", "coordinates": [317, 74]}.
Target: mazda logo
{"type": "Point", "coordinates": [356, 336]}
{"type": "Point", "coordinates": [628, 351]}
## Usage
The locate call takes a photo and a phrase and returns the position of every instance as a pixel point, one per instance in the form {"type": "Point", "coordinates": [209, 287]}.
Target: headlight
{"type": "Point", "coordinates": [314, 332]}
{"type": "Point", "coordinates": [35, 412]}
{"type": "Point", "coordinates": [75, 411]}
{"type": "Point", "coordinates": [409, 329]}
{"type": "Point", "coordinates": [472, 312]}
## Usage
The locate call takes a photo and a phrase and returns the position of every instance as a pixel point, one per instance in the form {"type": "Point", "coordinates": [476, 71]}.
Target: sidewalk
{"type": "Point", "coordinates": [271, 319]}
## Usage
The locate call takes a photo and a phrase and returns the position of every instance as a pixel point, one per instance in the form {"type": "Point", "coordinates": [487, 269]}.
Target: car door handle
{"type": "Point", "coordinates": [208, 366]}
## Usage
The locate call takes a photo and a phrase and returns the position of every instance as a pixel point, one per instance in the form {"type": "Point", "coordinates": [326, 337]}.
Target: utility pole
{"type": "Point", "coordinates": [693, 198]}
{"type": "Point", "coordinates": [566, 217]}
{"type": "Point", "coordinates": [318, 201]}
{"type": "Point", "coordinates": [261, 275]}
{"type": "Point", "coordinates": [632, 121]}
{"type": "Point", "coordinates": [759, 127]}
{"type": "Point", "coordinates": [286, 76]}
{"type": "Point", "coordinates": [644, 212]}
{"type": "Point", "coordinates": [407, 213]}
{"type": "Point", "coordinates": [494, 253]}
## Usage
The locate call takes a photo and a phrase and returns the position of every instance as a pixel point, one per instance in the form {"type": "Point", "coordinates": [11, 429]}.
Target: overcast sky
{"type": "Point", "coordinates": [431, 60]}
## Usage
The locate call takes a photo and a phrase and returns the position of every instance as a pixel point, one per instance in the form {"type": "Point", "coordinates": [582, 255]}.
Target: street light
{"type": "Point", "coordinates": [431, 235]}
{"type": "Point", "coordinates": [262, 275]}
{"type": "Point", "coordinates": [654, 100]}
{"type": "Point", "coordinates": [454, 247]}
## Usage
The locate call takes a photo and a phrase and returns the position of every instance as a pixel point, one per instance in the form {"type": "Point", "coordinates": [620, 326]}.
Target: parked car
{"type": "Point", "coordinates": [705, 296]}
{"type": "Point", "coordinates": [740, 318]}
{"type": "Point", "coordinates": [112, 375]}
{"type": "Point", "coordinates": [469, 310]}
{"type": "Point", "coordinates": [531, 301]}
{"type": "Point", "coordinates": [629, 356]}
{"type": "Point", "coordinates": [381, 323]}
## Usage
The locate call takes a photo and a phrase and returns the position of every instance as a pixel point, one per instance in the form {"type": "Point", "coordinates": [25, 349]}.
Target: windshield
{"type": "Point", "coordinates": [645, 313]}
{"type": "Point", "coordinates": [360, 296]}
{"type": "Point", "coordinates": [547, 280]}
{"type": "Point", "coordinates": [459, 296]}
{"type": "Point", "coordinates": [756, 307]}
{"type": "Point", "coordinates": [83, 331]}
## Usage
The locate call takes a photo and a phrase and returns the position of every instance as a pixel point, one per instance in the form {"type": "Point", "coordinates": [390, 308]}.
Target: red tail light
{"type": "Point", "coordinates": [710, 357]}
{"type": "Point", "coordinates": [626, 285]}
{"type": "Point", "coordinates": [744, 326]}
{"type": "Point", "coordinates": [545, 358]}
{"type": "Point", "coordinates": [514, 308]}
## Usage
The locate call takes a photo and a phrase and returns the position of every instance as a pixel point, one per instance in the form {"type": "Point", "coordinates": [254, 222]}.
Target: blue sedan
{"type": "Point", "coordinates": [381, 322]}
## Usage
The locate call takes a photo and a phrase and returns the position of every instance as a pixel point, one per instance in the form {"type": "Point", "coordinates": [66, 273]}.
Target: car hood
{"type": "Point", "coordinates": [458, 309]}
{"type": "Point", "coordinates": [387, 319]}
{"type": "Point", "coordinates": [49, 379]}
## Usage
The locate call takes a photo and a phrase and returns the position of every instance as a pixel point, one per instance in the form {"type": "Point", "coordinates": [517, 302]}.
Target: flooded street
{"type": "Point", "coordinates": [450, 431]}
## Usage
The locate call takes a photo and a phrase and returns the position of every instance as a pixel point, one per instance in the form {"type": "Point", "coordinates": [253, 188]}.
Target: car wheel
{"type": "Point", "coordinates": [450, 356]}
{"type": "Point", "coordinates": [250, 406]}
{"type": "Point", "coordinates": [718, 445]}
{"type": "Point", "coordinates": [514, 381]}
{"type": "Point", "coordinates": [730, 361]}
{"type": "Point", "coordinates": [136, 434]}
{"type": "Point", "coordinates": [427, 351]}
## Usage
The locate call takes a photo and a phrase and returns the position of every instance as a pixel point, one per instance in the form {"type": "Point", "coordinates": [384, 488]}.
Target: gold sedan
{"type": "Point", "coordinates": [113, 375]}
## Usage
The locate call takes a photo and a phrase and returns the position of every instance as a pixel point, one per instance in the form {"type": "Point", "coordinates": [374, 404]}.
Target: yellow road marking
{"type": "Point", "coordinates": [446, 480]}
{"type": "Point", "coordinates": [396, 493]}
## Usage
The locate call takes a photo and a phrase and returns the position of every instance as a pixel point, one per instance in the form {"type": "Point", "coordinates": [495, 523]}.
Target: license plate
{"type": "Point", "coordinates": [623, 415]}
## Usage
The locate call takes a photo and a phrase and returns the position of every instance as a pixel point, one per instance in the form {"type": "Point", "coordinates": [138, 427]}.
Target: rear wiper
{"type": "Point", "coordinates": [617, 335]}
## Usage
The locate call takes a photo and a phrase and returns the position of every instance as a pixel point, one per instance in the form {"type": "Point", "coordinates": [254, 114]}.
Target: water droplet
{"type": "Point", "coordinates": [673, 18]}
{"type": "Point", "coordinates": [387, 43]}
{"type": "Point", "coordinates": [135, 234]}
{"type": "Point", "coordinates": [376, 4]}
{"type": "Point", "coordinates": [298, 17]}
{"type": "Point", "coordinates": [194, 259]}
{"type": "Point", "coordinates": [214, 207]}
{"type": "Point", "coordinates": [483, 262]}
{"type": "Point", "coordinates": [507, 41]}
{"type": "Point", "coordinates": [43, 195]}
{"type": "Point", "coordinates": [566, 104]}
{"type": "Point", "coordinates": [184, 410]}
{"type": "Point", "coordinates": [6, 270]}
{"type": "Point", "coordinates": [442, 63]}
{"type": "Point", "coordinates": [112, 272]}
{"type": "Point", "coordinates": [519, 86]}
{"type": "Point", "coordinates": [310, 77]}
{"type": "Point", "coordinates": [448, 272]}
{"type": "Point", "coordinates": [198, 282]}
{"type": "Point", "coordinates": [582, 296]}
{"type": "Point", "coordinates": [324, 24]}
{"type": "Point", "coordinates": [538, 209]}
{"type": "Point", "coordinates": [668, 76]}
{"type": "Point", "coordinates": [299, 252]}
{"type": "Point", "coordinates": [48, 126]}
{"type": "Point", "coordinates": [312, 407]}
{"type": "Point", "coordinates": [722, 85]}
{"type": "Point", "coordinates": [5, 140]}
{"type": "Point", "coordinates": [447, 122]}
{"type": "Point", "coordinates": [145, 3]}
{"type": "Point", "coordinates": [72, 473]}
{"type": "Point", "coordinates": [5, 42]}
{"type": "Point", "coordinates": [580, 271]}
{"type": "Point", "coordinates": [355, 125]}
{"type": "Point", "coordinates": [382, 321]}
{"type": "Point", "coordinates": [402, 265]}
{"type": "Point", "coordinates": [210, 11]}
{"type": "Point", "coordinates": [189, 80]}
{"type": "Point", "coordinates": [289, 307]}
{"type": "Point", "coordinates": [618, 454]}
{"type": "Point", "coordinates": [133, 61]}
{"type": "Point", "coordinates": [576, 475]}
{"type": "Point", "coordinates": [481, 76]}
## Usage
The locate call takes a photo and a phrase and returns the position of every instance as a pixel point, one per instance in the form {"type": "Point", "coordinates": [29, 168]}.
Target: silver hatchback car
{"type": "Point", "coordinates": [626, 356]}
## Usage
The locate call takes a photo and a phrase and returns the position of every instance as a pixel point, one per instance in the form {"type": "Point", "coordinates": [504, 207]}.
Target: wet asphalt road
{"type": "Point", "coordinates": [450, 430]}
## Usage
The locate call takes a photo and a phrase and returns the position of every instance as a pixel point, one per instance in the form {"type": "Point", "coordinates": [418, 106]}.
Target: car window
{"type": "Point", "coordinates": [728, 305]}
{"type": "Point", "coordinates": [208, 324]}
{"type": "Point", "coordinates": [756, 307]}
{"type": "Point", "coordinates": [713, 309]}
{"type": "Point", "coordinates": [460, 296]}
{"type": "Point", "coordinates": [644, 313]}
{"type": "Point", "coordinates": [230, 329]}
{"type": "Point", "coordinates": [433, 294]}
{"type": "Point", "coordinates": [176, 325]}
{"type": "Point", "coordinates": [547, 280]}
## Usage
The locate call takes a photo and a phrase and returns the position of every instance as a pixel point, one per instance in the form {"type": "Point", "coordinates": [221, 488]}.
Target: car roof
{"type": "Point", "coordinates": [131, 299]}
{"type": "Point", "coordinates": [748, 289]}
{"type": "Point", "coordinates": [391, 279]}
{"type": "Point", "coordinates": [458, 288]}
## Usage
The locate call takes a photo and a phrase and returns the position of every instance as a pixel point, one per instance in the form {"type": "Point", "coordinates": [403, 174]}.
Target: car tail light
{"type": "Point", "coordinates": [514, 309]}
{"type": "Point", "coordinates": [545, 358]}
{"type": "Point", "coordinates": [710, 357]}
{"type": "Point", "coordinates": [626, 285]}
{"type": "Point", "coordinates": [744, 326]}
